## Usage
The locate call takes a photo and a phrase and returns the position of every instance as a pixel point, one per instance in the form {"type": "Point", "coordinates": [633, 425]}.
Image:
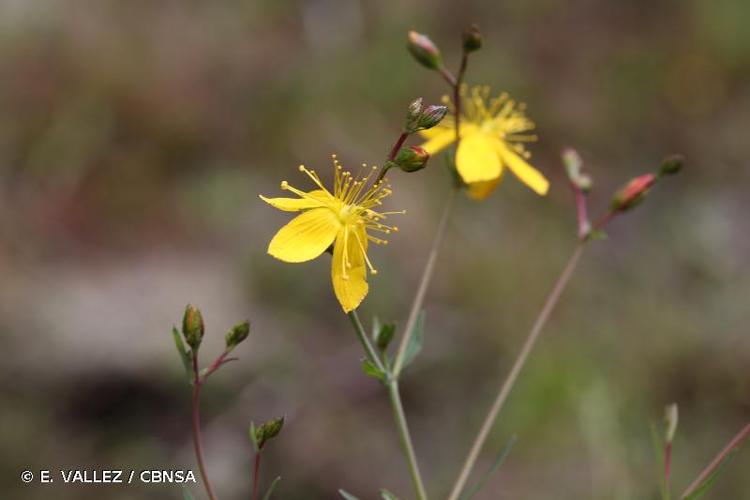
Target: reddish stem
{"type": "Point", "coordinates": [397, 146]}
{"type": "Point", "coordinates": [216, 364]}
{"type": "Point", "coordinates": [256, 476]}
{"type": "Point", "coordinates": [710, 468]}
{"type": "Point", "coordinates": [456, 93]}
{"type": "Point", "coordinates": [667, 463]}
{"type": "Point", "coordinates": [584, 226]}
{"type": "Point", "coordinates": [197, 440]}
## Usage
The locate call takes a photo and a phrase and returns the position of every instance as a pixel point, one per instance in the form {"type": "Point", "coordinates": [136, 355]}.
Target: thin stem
{"type": "Point", "coordinates": [447, 76]}
{"type": "Point", "coordinates": [397, 146]}
{"type": "Point", "coordinates": [405, 438]}
{"type": "Point", "coordinates": [423, 284]}
{"type": "Point", "coordinates": [716, 462]}
{"type": "Point", "coordinates": [215, 365]}
{"type": "Point", "coordinates": [456, 94]}
{"type": "Point", "coordinates": [256, 476]}
{"type": "Point", "coordinates": [372, 355]}
{"type": "Point", "coordinates": [510, 380]}
{"type": "Point", "coordinates": [197, 441]}
{"type": "Point", "coordinates": [391, 156]}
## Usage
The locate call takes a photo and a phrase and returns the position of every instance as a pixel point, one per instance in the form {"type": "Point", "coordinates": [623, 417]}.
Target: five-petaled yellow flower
{"type": "Point", "coordinates": [492, 136]}
{"type": "Point", "coordinates": [343, 219]}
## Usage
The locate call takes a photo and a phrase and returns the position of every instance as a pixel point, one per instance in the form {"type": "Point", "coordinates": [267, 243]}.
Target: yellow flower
{"type": "Point", "coordinates": [343, 219]}
{"type": "Point", "coordinates": [492, 133]}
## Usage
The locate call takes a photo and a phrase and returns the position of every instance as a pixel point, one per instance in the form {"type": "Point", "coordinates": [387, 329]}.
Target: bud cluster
{"type": "Point", "coordinates": [419, 118]}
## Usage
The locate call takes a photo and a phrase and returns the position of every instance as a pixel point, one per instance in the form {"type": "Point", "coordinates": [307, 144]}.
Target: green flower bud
{"type": "Point", "coordinates": [671, 165]}
{"type": "Point", "coordinates": [472, 38]}
{"type": "Point", "coordinates": [236, 335]}
{"type": "Point", "coordinates": [192, 326]}
{"type": "Point", "coordinates": [267, 431]}
{"type": "Point", "coordinates": [423, 50]}
{"type": "Point", "coordinates": [411, 159]}
{"type": "Point", "coordinates": [574, 168]}
{"type": "Point", "coordinates": [671, 417]}
{"type": "Point", "coordinates": [412, 115]}
{"type": "Point", "coordinates": [431, 116]}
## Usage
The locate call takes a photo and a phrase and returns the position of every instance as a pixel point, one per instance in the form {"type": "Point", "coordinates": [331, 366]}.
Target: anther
{"type": "Point", "coordinates": [284, 185]}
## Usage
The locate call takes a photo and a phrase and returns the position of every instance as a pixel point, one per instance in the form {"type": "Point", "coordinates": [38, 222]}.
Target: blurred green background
{"type": "Point", "coordinates": [135, 137]}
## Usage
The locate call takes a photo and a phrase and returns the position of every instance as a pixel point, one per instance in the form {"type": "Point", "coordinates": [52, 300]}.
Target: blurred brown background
{"type": "Point", "coordinates": [135, 137]}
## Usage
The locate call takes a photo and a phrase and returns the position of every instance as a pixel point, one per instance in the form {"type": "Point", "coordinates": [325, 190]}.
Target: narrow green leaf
{"type": "Point", "coordinates": [372, 371]}
{"type": "Point", "coordinates": [711, 479]}
{"type": "Point", "coordinates": [347, 496]}
{"type": "Point", "coordinates": [416, 340]}
{"type": "Point", "coordinates": [253, 432]}
{"type": "Point", "coordinates": [492, 470]}
{"type": "Point", "coordinates": [658, 446]}
{"type": "Point", "coordinates": [183, 352]}
{"type": "Point", "coordinates": [267, 496]}
{"type": "Point", "coordinates": [387, 495]}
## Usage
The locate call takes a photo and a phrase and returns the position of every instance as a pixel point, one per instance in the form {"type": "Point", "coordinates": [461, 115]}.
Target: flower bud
{"type": "Point", "coordinates": [671, 165]}
{"type": "Point", "coordinates": [574, 168]}
{"type": "Point", "coordinates": [431, 116]}
{"type": "Point", "coordinates": [633, 192]}
{"type": "Point", "coordinates": [236, 335]}
{"type": "Point", "coordinates": [472, 38]}
{"type": "Point", "coordinates": [262, 434]}
{"type": "Point", "coordinates": [411, 159]}
{"type": "Point", "coordinates": [423, 50]}
{"type": "Point", "coordinates": [412, 115]}
{"type": "Point", "coordinates": [192, 326]}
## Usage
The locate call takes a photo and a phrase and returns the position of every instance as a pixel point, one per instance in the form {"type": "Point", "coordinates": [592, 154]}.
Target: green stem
{"type": "Point", "coordinates": [372, 355]}
{"type": "Point", "coordinates": [510, 380]}
{"type": "Point", "coordinates": [405, 438]}
{"type": "Point", "coordinates": [423, 284]}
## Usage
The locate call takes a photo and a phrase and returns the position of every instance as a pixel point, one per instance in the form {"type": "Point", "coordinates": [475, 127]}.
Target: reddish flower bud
{"type": "Point", "coordinates": [411, 159]}
{"type": "Point", "coordinates": [424, 51]}
{"type": "Point", "coordinates": [633, 192]}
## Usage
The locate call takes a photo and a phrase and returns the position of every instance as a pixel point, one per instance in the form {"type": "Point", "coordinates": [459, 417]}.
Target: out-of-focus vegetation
{"type": "Point", "coordinates": [135, 137]}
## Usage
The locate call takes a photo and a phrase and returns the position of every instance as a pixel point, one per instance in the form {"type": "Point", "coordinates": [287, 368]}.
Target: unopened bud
{"type": "Point", "coordinates": [423, 50]}
{"type": "Point", "coordinates": [192, 326]}
{"type": "Point", "coordinates": [412, 115]}
{"type": "Point", "coordinates": [671, 165]}
{"type": "Point", "coordinates": [431, 116]}
{"type": "Point", "coordinates": [633, 192]}
{"type": "Point", "coordinates": [262, 434]}
{"type": "Point", "coordinates": [236, 335]}
{"type": "Point", "coordinates": [574, 168]}
{"type": "Point", "coordinates": [472, 38]}
{"type": "Point", "coordinates": [671, 417]}
{"type": "Point", "coordinates": [411, 159]}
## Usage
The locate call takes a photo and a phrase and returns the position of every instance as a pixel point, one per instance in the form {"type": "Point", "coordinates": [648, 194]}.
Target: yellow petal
{"type": "Point", "coordinates": [349, 283]}
{"type": "Point", "coordinates": [439, 140]}
{"type": "Point", "coordinates": [306, 236]}
{"type": "Point", "coordinates": [525, 172]}
{"type": "Point", "coordinates": [316, 200]}
{"type": "Point", "coordinates": [477, 159]}
{"type": "Point", "coordinates": [481, 190]}
{"type": "Point", "coordinates": [441, 136]}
